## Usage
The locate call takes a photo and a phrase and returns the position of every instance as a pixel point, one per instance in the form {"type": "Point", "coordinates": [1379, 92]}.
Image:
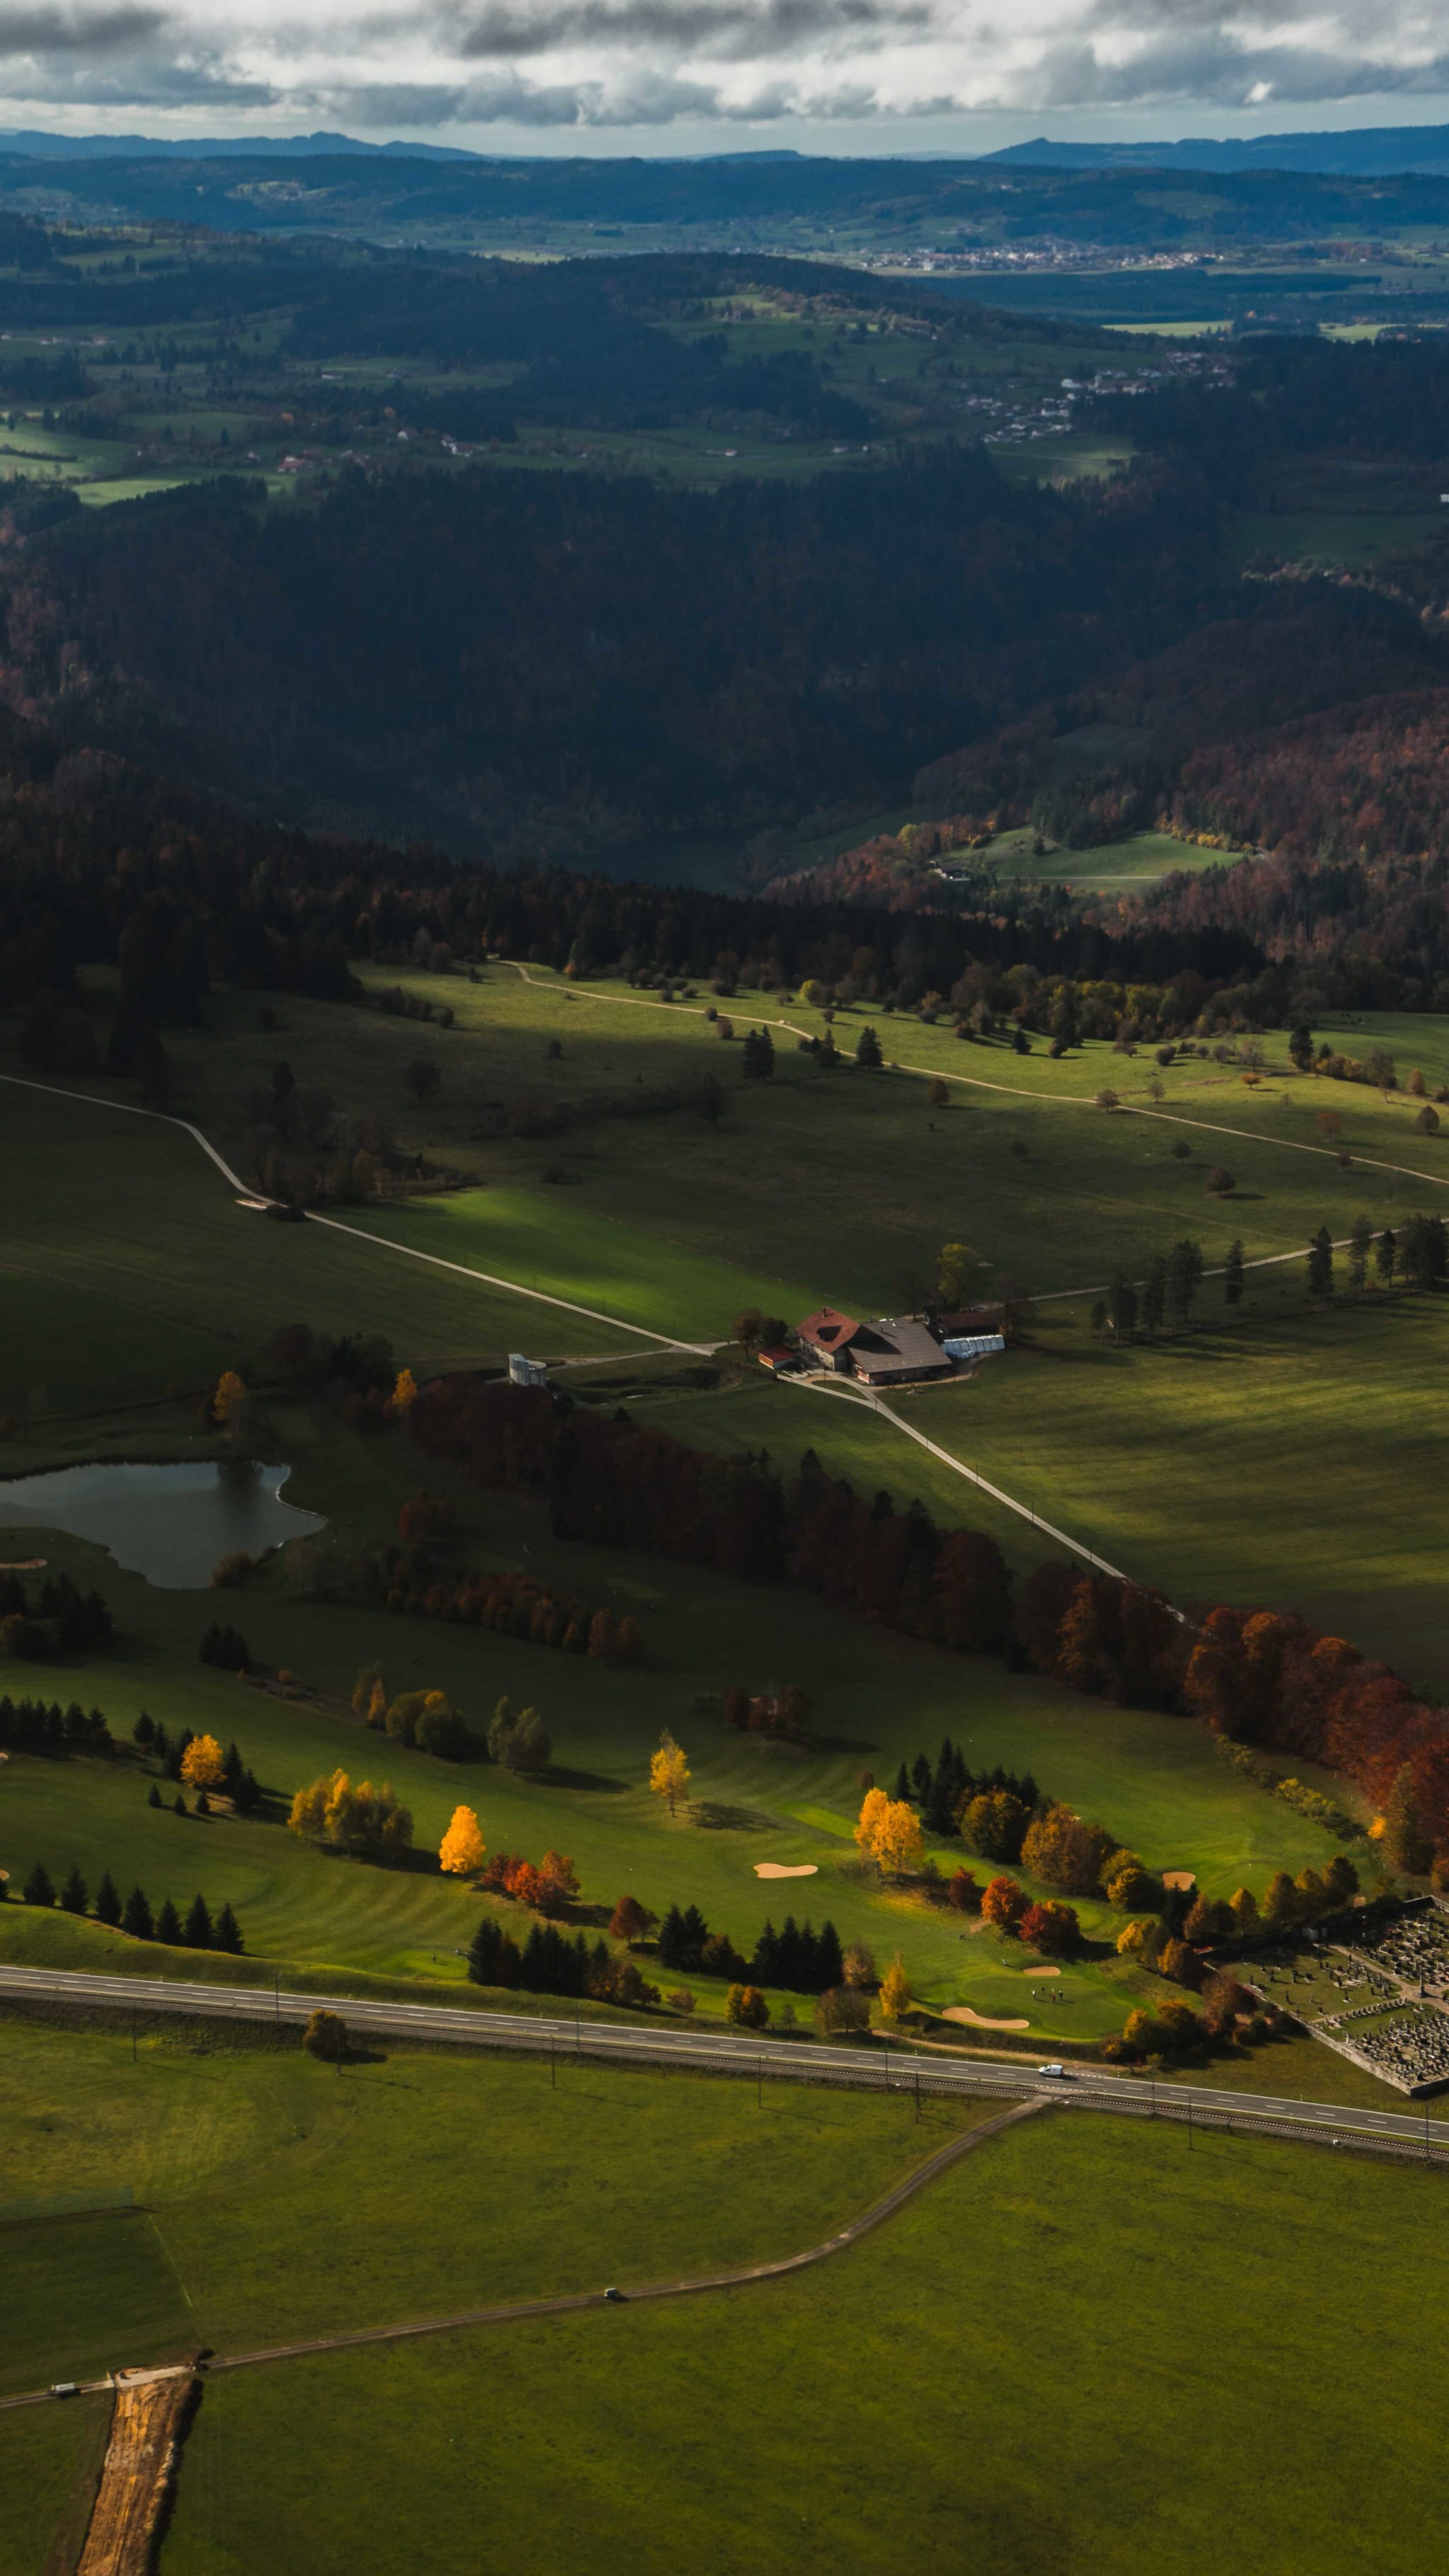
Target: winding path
{"type": "Point", "coordinates": [572, 2302]}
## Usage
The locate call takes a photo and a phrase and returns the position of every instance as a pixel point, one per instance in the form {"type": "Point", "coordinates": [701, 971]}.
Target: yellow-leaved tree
{"type": "Point", "coordinates": [895, 1990]}
{"type": "Point", "coordinates": [873, 1807]}
{"type": "Point", "coordinates": [203, 1764]}
{"type": "Point", "coordinates": [228, 1401]}
{"type": "Point", "coordinates": [669, 1771]}
{"type": "Point", "coordinates": [889, 1833]}
{"type": "Point", "coordinates": [462, 1849]}
{"type": "Point", "coordinates": [404, 1393]}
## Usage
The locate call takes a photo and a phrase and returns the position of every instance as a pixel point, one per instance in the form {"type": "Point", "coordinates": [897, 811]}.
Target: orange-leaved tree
{"type": "Point", "coordinates": [228, 1401]}
{"type": "Point", "coordinates": [462, 1849]}
{"type": "Point", "coordinates": [404, 1393]}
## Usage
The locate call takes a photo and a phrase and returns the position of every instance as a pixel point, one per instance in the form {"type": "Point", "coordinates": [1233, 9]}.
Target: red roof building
{"type": "Point", "coordinates": [829, 1335]}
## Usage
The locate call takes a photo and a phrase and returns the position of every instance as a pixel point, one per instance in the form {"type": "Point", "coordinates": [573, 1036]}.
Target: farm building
{"type": "Point", "coordinates": [880, 1353]}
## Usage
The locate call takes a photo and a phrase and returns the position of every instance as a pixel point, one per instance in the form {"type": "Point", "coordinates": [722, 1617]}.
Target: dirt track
{"type": "Point", "coordinates": [147, 2427]}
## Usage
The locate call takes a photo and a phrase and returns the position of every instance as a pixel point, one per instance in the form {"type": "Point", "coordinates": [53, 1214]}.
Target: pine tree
{"type": "Point", "coordinates": [178, 1805]}
{"type": "Point", "coordinates": [766, 1963]}
{"type": "Point", "coordinates": [1360, 1240]}
{"type": "Point", "coordinates": [1320, 1267]}
{"type": "Point", "coordinates": [153, 1798]}
{"type": "Point", "coordinates": [669, 1948]}
{"type": "Point", "coordinates": [829, 1963]}
{"type": "Point", "coordinates": [1386, 1253]}
{"type": "Point", "coordinates": [493, 1959]}
{"type": "Point", "coordinates": [73, 1894]}
{"type": "Point", "coordinates": [108, 1902]}
{"type": "Point", "coordinates": [38, 1887]}
{"type": "Point", "coordinates": [137, 1916]}
{"type": "Point", "coordinates": [197, 1935]}
{"type": "Point", "coordinates": [694, 1933]}
{"type": "Point", "coordinates": [227, 1934]}
{"type": "Point", "coordinates": [921, 1780]}
{"type": "Point", "coordinates": [1233, 1274]}
{"type": "Point", "coordinates": [867, 1051]}
{"type": "Point", "coordinates": [168, 1925]}
{"type": "Point", "coordinates": [1154, 1298]}
{"type": "Point", "coordinates": [1122, 1307]}
{"type": "Point", "coordinates": [143, 1732]}
{"type": "Point", "coordinates": [903, 1784]}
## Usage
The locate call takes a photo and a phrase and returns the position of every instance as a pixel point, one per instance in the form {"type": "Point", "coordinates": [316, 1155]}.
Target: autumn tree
{"type": "Point", "coordinates": [1051, 1928]}
{"type": "Point", "coordinates": [669, 1773]}
{"type": "Point", "coordinates": [228, 1402]}
{"type": "Point", "coordinates": [1004, 1901]}
{"type": "Point", "coordinates": [404, 1394]}
{"type": "Point", "coordinates": [631, 1921]}
{"type": "Point", "coordinates": [889, 1833]}
{"type": "Point", "coordinates": [462, 1849]}
{"type": "Point", "coordinates": [1404, 1842]}
{"type": "Point", "coordinates": [326, 2036]}
{"type": "Point", "coordinates": [859, 1965]}
{"type": "Point", "coordinates": [364, 1690]}
{"type": "Point", "coordinates": [842, 2012]}
{"type": "Point", "coordinates": [1243, 1906]}
{"type": "Point", "coordinates": [895, 1990]}
{"type": "Point", "coordinates": [746, 2006]}
{"type": "Point", "coordinates": [203, 1764]}
{"type": "Point", "coordinates": [1280, 1904]}
{"type": "Point", "coordinates": [748, 1328]}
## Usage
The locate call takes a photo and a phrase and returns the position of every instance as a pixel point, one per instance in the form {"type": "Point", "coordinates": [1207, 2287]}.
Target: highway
{"type": "Point", "coordinates": [880, 2064]}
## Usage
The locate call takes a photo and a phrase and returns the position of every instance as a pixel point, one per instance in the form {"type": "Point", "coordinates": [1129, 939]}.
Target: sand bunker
{"type": "Point", "coordinates": [779, 1869]}
{"type": "Point", "coordinates": [1041, 1972]}
{"type": "Point", "coordinates": [963, 2012]}
{"type": "Point", "coordinates": [1183, 1878]}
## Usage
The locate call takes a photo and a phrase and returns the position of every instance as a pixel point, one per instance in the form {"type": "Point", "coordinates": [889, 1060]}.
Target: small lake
{"type": "Point", "coordinates": [169, 1523]}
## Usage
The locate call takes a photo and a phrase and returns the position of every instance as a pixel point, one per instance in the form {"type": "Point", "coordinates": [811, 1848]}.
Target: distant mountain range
{"type": "Point", "coordinates": [30, 144]}
{"type": "Point", "coordinates": [1365, 152]}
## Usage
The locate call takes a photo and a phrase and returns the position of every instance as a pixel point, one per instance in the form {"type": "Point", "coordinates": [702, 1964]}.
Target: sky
{"type": "Point", "coordinates": [684, 76]}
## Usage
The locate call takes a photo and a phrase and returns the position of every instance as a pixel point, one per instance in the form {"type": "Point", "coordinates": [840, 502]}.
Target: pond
{"type": "Point", "coordinates": [169, 1523]}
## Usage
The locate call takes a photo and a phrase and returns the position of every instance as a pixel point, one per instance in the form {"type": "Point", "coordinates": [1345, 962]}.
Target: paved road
{"type": "Point", "coordinates": [869, 2069]}
{"type": "Point", "coordinates": [568, 2302]}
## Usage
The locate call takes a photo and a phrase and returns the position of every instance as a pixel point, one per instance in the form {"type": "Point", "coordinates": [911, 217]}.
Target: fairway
{"type": "Point", "coordinates": [982, 2314]}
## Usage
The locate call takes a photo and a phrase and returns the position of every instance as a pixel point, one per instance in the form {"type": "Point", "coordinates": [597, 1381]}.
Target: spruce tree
{"type": "Point", "coordinates": [492, 1957]}
{"type": "Point", "coordinates": [108, 1902]}
{"type": "Point", "coordinates": [829, 1963]}
{"type": "Point", "coordinates": [766, 1964]}
{"type": "Point", "coordinates": [1233, 1274]}
{"type": "Point", "coordinates": [695, 1933]}
{"type": "Point", "coordinates": [902, 1791]}
{"type": "Point", "coordinates": [143, 1732]}
{"type": "Point", "coordinates": [178, 1805]}
{"type": "Point", "coordinates": [137, 1916]}
{"type": "Point", "coordinates": [38, 1887]}
{"type": "Point", "coordinates": [161, 1745]}
{"type": "Point", "coordinates": [670, 1944]}
{"type": "Point", "coordinates": [73, 1894]}
{"type": "Point", "coordinates": [1320, 1267]}
{"type": "Point", "coordinates": [232, 1774]}
{"type": "Point", "coordinates": [153, 1798]}
{"type": "Point", "coordinates": [791, 1954]}
{"type": "Point", "coordinates": [227, 1934]}
{"type": "Point", "coordinates": [197, 1935]}
{"type": "Point", "coordinates": [168, 1925]}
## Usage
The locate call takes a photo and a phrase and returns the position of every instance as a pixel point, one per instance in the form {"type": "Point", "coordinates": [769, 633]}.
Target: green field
{"type": "Point", "coordinates": [1215, 1464]}
{"type": "Point", "coordinates": [275, 2197]}
{"type": "Point", "coordinates": [957, 2387]}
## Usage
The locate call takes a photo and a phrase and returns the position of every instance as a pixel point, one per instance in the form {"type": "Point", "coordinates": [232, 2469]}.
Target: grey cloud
{"type": "Point", "coordinates": [728, 30]}
{"type": "Point", "coordinates": [639, 99]}
{"type": "Point", "coordinates": [1218, 69]}
{"type": "Point", "coordinates": [76, 31]}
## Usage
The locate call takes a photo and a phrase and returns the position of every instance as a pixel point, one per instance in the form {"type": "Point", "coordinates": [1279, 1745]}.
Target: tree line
{"type": "Point", "coordinates": [200, 1930]}
{"type": "Point", "coordinates": [1262, 1677]}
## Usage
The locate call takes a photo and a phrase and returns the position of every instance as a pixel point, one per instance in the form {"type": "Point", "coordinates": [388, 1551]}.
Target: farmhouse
{"type": "Point", "coordinates": [883, 1352]}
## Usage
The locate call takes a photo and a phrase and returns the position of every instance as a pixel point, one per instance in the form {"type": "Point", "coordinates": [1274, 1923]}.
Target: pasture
{"type": "Point", "coordinates": [1013, 2411]}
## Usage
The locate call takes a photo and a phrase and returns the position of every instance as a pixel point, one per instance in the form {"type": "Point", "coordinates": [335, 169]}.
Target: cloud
{"type": "Point", "coordinates": [732, 30]}
{"type": "Point", "coordinates": [74, 31]}
{"type": "Point", "coordinates": [431, 65]}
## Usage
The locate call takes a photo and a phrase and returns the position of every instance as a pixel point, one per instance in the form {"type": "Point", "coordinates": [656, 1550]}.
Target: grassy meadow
{"type": "Point", "coordinates": [963, 2373]}
{"type": "Point", "coordinates": [1215, 1464]}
